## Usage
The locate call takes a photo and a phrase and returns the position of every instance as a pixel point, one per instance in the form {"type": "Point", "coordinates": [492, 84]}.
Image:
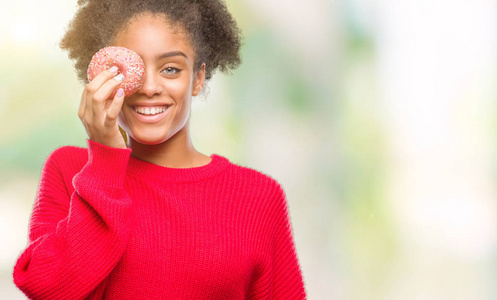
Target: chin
{"type": "Point", "coordinates": [150, 137]}
{"type": "Point", "coordinates": [148, 140]}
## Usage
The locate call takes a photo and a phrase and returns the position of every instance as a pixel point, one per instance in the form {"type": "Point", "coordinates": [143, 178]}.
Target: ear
{"type": "Point", "coordinates": [198, 86]}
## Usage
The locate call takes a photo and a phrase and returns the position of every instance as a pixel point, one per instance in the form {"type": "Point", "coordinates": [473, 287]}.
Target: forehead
{"type": "Point", "coordinates": [151, 35]}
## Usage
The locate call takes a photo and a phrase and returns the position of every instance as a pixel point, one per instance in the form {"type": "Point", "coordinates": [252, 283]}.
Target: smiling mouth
{"type": "Point", "coordinates": [150, 110]}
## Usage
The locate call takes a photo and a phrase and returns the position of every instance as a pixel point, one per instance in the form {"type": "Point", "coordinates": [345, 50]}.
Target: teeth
{"type": "Point", "coordinates": [150, 110]}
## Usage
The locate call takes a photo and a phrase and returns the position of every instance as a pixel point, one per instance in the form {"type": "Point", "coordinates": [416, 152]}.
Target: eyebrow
{"type": "Point", "coordinates": [173, 53]}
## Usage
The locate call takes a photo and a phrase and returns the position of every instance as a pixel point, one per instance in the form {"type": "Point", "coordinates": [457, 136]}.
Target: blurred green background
{"type": "Point", "coordinates": [377, 117]}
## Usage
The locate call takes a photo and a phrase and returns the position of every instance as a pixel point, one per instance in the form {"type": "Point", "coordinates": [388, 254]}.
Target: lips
{"type": "Point", "coordinates": [150, 113]}
{"type": "Point", "coordinates": [150, 110]}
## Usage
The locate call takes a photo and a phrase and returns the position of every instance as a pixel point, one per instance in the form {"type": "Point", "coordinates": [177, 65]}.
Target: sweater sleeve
{"type": "Point", "coordinates": [75, 240]}
{"type": "Point", "coordinates": [287, 280]}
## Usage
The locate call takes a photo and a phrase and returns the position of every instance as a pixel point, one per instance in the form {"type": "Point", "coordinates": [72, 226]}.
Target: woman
{"type": "Point", "coordinates": [153, 218]}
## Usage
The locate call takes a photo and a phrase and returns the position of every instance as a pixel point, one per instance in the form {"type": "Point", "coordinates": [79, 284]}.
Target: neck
{"type": "Point", "coordinates": [176, 152]}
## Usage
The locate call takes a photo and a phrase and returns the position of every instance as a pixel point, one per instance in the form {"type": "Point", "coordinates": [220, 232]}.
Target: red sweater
{"type": "Point", "coordinates": [106, 225]}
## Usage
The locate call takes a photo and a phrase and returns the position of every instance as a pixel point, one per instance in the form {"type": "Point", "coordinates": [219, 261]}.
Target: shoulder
{"type": "Point", "coordinates": [261, 192]}
{"type": "Point", "coordinates": [67, 159]}
{"type": "Point", "coordinates": [69, 150]}
{"type": "Point", "coordinates": [60, 167]}
{"type": "Point", "coordinates": [258, 179]}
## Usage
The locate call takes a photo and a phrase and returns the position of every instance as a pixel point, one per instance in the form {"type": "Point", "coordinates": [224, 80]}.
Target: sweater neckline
{"type": "Point", "coordinates": [155, 172]}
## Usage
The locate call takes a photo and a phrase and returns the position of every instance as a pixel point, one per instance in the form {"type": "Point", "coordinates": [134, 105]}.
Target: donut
{"type": "Point", "coordinates": [129, 64]}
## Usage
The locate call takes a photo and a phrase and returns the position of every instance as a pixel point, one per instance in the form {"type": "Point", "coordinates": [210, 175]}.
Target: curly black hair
{"type": "Point", "coordinates": [211, 29]}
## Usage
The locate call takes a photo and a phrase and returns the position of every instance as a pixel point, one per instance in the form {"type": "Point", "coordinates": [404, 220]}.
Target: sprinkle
{"type": "Point", "coordinates": [129, 63]}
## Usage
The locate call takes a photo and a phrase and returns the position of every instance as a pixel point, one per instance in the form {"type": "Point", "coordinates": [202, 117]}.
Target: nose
{"type": "Point", "coordinates": [151, 85]}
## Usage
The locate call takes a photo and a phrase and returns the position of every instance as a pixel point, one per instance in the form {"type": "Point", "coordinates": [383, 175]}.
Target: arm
{"type": "Point", "coordinates": [287, 280]}
{"type": "Point", "coordinates": [76, 240]}
{"type": "Point", "coordinates": [279, 275]}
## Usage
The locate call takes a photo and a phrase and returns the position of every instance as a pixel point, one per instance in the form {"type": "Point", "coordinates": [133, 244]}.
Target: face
{"type": "Point", "coordinates": [169, 81]}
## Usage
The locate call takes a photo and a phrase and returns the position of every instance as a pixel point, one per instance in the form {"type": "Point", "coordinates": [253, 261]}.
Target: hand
{"type": "Point", "coordinates": [98, 113]}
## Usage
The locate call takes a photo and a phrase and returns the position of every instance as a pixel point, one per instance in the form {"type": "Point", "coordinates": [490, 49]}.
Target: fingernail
{"type": "Point", "coordinates": [119, 77]}
{"type": "Point", "coordinates": [113, 69]}
{"type": "Point", "coordinates": [120, 92]}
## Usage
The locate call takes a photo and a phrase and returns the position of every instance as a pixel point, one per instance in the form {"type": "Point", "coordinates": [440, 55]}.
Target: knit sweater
{"type": "Point", "coordinates": [107, 225]}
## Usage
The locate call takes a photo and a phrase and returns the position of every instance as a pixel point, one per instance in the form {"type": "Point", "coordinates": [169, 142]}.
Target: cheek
{"type": "Point", "coordinates": [178, 88]}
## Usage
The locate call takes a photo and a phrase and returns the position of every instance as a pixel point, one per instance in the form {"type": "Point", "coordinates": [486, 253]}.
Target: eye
{"type": "Point", "coordinates": [170, 70]}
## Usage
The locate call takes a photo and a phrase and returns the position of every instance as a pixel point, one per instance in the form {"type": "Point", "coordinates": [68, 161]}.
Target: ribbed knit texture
{"type": "Point", "coordinates": [106, 225]}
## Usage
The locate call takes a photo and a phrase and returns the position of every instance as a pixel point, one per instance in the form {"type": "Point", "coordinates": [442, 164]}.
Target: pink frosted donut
{"type": "Point", "coordinates": [129, 63]}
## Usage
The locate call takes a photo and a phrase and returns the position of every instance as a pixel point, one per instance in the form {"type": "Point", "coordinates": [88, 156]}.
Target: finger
{"type": "Point", "coordinates": [88, 111]}
{"type": "Point", "coordinates": [115, 108]}
{"type": "Point", "coordinates": [101, 78]}
{"type": "Point", "coordinates": [94, 86]}
{"type": "Point", "coordinates": [82, 105]}
{"type": "Point", "coordinates": [103, 93]}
